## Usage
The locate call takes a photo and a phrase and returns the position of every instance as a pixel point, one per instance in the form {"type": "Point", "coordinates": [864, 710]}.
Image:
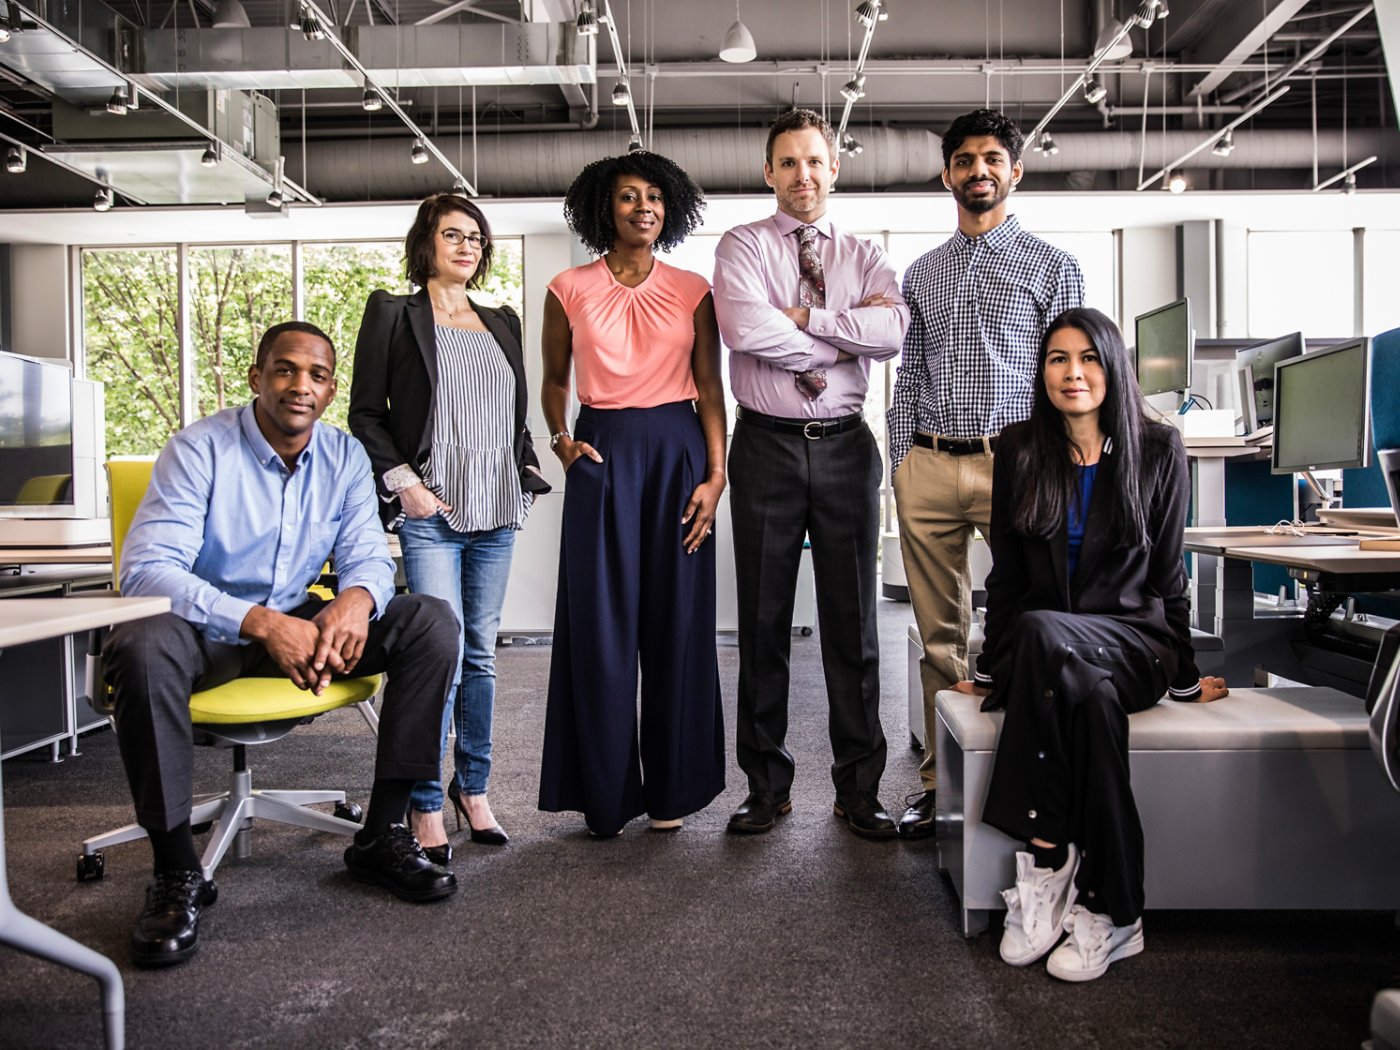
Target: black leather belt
{"type": "Point", "coordinates": [811, 429]}
{"type": "Point", "coordinates": [957, 446]}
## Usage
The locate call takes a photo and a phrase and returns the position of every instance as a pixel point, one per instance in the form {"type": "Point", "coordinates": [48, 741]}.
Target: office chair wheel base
{"type": "Point", "coordinates": [806, 632]}
{"type": "Point", "coordinates": [350, 811]}
{"type": "Point", "coordinates": [91, 866]}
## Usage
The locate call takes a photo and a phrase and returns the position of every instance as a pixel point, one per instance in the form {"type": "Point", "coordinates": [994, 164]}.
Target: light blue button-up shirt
{"type": "Point", "coordinates": [225, 525]}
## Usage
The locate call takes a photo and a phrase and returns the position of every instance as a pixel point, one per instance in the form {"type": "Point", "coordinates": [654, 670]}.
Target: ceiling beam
{"type": "Point", "coordinates": [1388, 18]}
{"type": "Point", "coordinates": [463, 5]}
{"type": "Point", "coordinates": [1252, 41]}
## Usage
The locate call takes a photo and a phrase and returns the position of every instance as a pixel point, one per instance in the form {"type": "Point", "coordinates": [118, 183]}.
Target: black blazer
{"type": "Point", "coordinates": [392, 392]}
{"type": "Point", "coordinates": [1142, 586]}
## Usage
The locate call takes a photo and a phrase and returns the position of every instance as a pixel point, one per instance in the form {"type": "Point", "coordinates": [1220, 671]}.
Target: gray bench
{"type": "Point", "coordinates": [1267, 799]}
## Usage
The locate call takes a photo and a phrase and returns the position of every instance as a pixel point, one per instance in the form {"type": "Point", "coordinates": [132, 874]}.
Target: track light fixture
{"type": "Point", "coordinates": [587, 22]}
{"type": "Point", "coordinates": [870, 12]}
{"type": "Point", "coordinates": [102, 200]}
{"type": "Point", "coordinates": [1162, 9]}
{"type": "Point", "coordinates": [459, 187]}
{"type": "Point", "coordinates": [372, 101]}
{"type": "Point", "coordinates": [621, 93]}
{"type": "Point", "coordinates": [16, 160]}
{"type": "Point", "coordinates": [1045, 144]}
{"type": "Point", "coordinates": [854, 88]}
{"type": "Point", "coordinates": [418, 152]}
{"type": "Point", "coordinates": [1094, 92]}
{"type": "Point", "coordinates": [634, 145]}
{"type": "Point", "coordinates": [1349, 184]}
{"type": "Point", "coordinates": [1225, 145]}
{"type": "Point", "coordinates": [1147, 13]}
{"type": "Point", "coordinates": [4, 33]}
{"type": "Point", "coordinates": [852, 145]}
{"type": "Point", "coordinates": [117, 105]}
{"type": "Point", "coordinates": [210, 157]}
{"type": "Point", "coordinates": [275, 198]}
{"type": "Point", "coordinates": [738, 45]}
{"type": "Point", "coordinates": [309, 25]}
{"type": "Point", "coordinates": [1176, 182]}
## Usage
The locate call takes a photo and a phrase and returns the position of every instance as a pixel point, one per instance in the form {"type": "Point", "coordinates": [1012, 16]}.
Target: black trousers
{"type": "Point", "coordinates": [784, 488]}
{"type": "Point", "coordinates": [1061, 768]}
{"type": "Point", "coordinates": [154, 665]}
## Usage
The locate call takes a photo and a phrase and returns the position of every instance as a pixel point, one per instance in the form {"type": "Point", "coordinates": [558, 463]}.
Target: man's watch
{"type": "Point", "coordinates": [554, 439]}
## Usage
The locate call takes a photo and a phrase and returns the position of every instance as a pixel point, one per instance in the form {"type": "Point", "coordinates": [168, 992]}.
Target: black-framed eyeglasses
{"type": "Point", "coordinates": [456, 236]}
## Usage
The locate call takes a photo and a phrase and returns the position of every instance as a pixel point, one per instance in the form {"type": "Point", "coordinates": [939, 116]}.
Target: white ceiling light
{"type": "Point", "coordinates": [459, 187]}
{"type": "Point", "coordinates": [1176, 182]}
{"type": "Point", "coordinates": [738, 42]}
{"type": "Point", "coordinates": [1045, 144]}
{"type": "Point", "coordinates": [4, 33]}
{"type": "Point", "coordinates": [117, 104]}
{"type": "Point", "coordinates": [1225, 145]}
{"type": "Point", "coordinates": [16, 160]}
{"type": "Point", "coordinates": [587, 22]}
{"type": "Point", "coordinates": [372, 102]}
{"type": "Point", "coordinates": [1094, 92]}
{"type": "Point", "coordinates": [102, 200]}
{"type": "Point", "coordinates": [853, 146]}
{"type": "Point", "coordinates": [210, 157]}
{"type": "Point", "coordinates": [309, 25]}
{"type": "Point", "coordinates": [1119, 51]}
{"type": "Point", "coordinates": [634, 145]}
{"type": "Point", "coordinates": [229, 14]}
{"type": "Point", "coordinates": [870, 12]}
{"type": "Point", "coordinates": [274, 199]}
{"type": "Point", "coordinates": [854, 88]}
{"type": "Point", "coordinates": [1147, 13]}
{"type": "Point", "coordinates": [621, 94]}
{"type": "Point", "coordinates": [418, 152]}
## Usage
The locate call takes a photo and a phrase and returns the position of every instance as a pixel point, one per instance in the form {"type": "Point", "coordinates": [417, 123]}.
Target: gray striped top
{"type": "Point", "coordinates": [471, 466]}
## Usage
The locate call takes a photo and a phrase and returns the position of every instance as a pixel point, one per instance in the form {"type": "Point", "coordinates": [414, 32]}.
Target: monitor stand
{"type": "Point", "coordinates": [55, 532]}
{"type": "Point", "coordinates": [1322, 494]}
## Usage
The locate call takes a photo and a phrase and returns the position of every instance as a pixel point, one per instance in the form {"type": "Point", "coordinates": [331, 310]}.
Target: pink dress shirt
{"type": "Point", "coordinates": [631, 346]}
{"type": "Point", "coordinates": [756, 276]}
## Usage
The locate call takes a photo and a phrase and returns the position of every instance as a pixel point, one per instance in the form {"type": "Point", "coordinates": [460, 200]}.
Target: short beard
{"type": "Point", "coordinates": [981, 205]}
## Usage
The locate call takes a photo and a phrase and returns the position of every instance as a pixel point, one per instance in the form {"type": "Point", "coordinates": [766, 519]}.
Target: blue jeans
{"type": "Point", "coordinates": [469, 570]}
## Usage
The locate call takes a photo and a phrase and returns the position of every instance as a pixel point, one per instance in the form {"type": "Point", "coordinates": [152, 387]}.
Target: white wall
{"type": "Point", "coordinates": [40, 305]}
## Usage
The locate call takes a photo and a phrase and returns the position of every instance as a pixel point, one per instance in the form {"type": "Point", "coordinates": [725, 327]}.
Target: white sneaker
{"type": "Point", "coordinates": [1094, 944]}
{"type": "Point", "coordinates": [1036, 908]}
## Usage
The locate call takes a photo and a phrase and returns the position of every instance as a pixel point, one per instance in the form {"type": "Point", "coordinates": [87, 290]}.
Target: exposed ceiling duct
{"type": "Point", "coordinates": [729, 160]}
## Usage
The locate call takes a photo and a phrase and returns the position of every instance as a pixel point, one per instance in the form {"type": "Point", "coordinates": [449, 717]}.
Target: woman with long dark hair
{"type": "Point", "coordinates": [1087, 622]}
{"type": "Point", "coordinates": [644, 466]}
{"type": "Point", "coordinates": [439, 402]}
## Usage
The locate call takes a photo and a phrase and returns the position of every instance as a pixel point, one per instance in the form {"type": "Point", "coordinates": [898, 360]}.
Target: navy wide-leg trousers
{"type": "Point", "coordinates": [630, 597]}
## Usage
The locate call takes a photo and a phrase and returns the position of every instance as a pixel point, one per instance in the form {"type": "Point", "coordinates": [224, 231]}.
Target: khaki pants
{"type": "Point", "coordinates": [940, 499]}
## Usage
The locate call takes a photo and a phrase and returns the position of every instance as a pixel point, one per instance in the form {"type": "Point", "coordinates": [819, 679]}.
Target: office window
{"type": "Point", "coordinates": [1381, 305]}
{"type": "Point", "coordinates": [236, 294]}
{"type": "Point", "coordinates": [1301, 282]}
{"type": "Point", "coordinates": [130, 312]}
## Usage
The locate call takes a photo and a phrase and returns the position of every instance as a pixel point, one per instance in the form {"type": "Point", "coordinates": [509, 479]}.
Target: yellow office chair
{"type": "Point", "coordinates": [234, 715]}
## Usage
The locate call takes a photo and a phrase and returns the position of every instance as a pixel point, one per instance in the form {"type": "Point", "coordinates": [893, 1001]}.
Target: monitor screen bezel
{"type": "Point", "coordinates": [1245, 360]}
{"type": "Point", "coordinates": [1185, 303]}
{"type": "Point", "coordinates": [1310, 357]}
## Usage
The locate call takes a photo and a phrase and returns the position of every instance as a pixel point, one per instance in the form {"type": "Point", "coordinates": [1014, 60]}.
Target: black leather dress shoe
{"type": "Point", "coordinates": [918, 820]}
{"type": "Point", "coordinates": [167, 930]}
{"type": "Point", "coordinates": [865, 815]}
{"type": "Point", "coordinates": [759, 812]}
{"type": "Point", "coordinates": [440, 855]}
{"type": "Point", "coordinates": [395, 861]}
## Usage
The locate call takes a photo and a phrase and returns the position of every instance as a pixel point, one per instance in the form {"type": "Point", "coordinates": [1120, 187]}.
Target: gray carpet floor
{"type": "Point", "coordinates": [805, 937]}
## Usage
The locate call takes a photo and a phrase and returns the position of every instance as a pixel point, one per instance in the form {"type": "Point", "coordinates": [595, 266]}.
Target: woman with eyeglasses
{"type": "Point", "coordinates": [1087, 623]}
{"type": "Point", "coordinates": [438, 399]}
{"type": "Point", "coordinates": [644, 463]}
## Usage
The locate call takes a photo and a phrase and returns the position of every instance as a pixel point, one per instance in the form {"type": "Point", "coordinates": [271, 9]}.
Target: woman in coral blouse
{"type": "Point", "coordinates": [644, 467]}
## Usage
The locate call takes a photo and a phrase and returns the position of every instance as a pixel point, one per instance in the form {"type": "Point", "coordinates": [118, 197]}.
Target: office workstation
{"type": "Point", "coordinates": [261, 174]}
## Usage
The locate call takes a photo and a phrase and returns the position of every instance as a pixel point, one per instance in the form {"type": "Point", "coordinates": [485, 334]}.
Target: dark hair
{"type": "Point", "coordinates": [1047, 462]}
{"type": "Point", "coordinates": [796, 120]}
{"type": "Point", "coordinates": [588, 206]}
{"type": "Point", "coordinates": [272, 334]}
{"type": "Point", "coordinates": [420, 246]}
{"type": "Point", "coordinates": [979, 123]}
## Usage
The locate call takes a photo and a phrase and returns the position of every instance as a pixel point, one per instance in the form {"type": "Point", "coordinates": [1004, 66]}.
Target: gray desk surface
{"type": "Point", "coordinates": [34, 619]}
{"type": "Point", "coordinates": [56, 555]}
{"type": "Point", "coordinates": [1341, 558]}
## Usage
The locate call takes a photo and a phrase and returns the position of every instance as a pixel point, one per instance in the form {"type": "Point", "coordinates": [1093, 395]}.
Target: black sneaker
{"type": "Point", "coordinates": [395, 861]}
{"type": "Point", "coordinates": [167, 930]}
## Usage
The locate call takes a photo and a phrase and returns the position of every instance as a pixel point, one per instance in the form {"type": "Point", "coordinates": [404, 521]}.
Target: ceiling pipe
{"type": "Point", "coordinates": [1299, 63]}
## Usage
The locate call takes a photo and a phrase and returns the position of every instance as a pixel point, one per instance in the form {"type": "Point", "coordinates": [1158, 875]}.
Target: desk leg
{"type": "Point", "coordinates": [1207, 511]}
{"type": "Point", "coordinates": [31, 936]}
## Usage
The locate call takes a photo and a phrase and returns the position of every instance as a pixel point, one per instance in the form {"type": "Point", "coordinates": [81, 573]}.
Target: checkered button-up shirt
{"type": "Point", "coordinates": [979, 306]}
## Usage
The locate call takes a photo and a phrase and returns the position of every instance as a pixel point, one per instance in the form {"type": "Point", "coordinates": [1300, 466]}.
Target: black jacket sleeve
{"type": "Point", "coordinates": [1166, 570]}
{"type": "Point", "coordinates": [1008, 579]}
{"type": "Point", "coordinates": [369, 389]}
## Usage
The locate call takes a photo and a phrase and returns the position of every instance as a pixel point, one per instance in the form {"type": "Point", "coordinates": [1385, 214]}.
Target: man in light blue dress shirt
{"type": "Point", "coordinates": [243, 510]}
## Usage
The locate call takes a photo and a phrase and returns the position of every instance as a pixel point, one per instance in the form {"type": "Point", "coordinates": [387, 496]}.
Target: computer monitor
{"type": "Point", "coordinates": [1164, 342]}
{"type": "Point", "coordinates": [36, 438]}
{"type": "Point", "coordinates": [1321, 409]}
{"type": "Point", "coordinates": [1255, 367]}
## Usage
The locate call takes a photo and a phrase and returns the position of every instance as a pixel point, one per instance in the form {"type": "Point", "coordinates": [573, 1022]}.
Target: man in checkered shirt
{"type": "Point", "coordinates": [980, 303]}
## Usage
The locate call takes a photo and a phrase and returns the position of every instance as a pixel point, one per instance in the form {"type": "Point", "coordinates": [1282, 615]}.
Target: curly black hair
{"type": "Point", "coordinates": [588, 206]}
{"type": "Point", "coordinates": [980, 123]}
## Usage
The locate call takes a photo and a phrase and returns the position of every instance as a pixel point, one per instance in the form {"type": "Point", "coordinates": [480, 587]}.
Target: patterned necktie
{"type": "Point", "coordinates": [811, 292]}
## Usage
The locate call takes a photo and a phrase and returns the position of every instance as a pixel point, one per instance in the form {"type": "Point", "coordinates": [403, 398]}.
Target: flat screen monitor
{"type": "Point", "coordinates": [36, 437]}
{"type": "Point", "coordinates": [1255, 367]}
{"type": "Point", "coordinates": [1321, 409]}
{"type": "Point", "coordinates": [1165, 341]}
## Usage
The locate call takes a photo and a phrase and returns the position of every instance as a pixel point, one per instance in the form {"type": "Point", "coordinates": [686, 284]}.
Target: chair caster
{"type": "Point", "coordinates": [350, 811]}
{"type": "Point", "coordinates": [91, 866]}
{"type": "Point", "coordinates": [806, 632]}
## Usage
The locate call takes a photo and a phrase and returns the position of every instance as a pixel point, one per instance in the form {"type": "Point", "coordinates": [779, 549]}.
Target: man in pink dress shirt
{"type": "Point", "coordinates": [805, 309]}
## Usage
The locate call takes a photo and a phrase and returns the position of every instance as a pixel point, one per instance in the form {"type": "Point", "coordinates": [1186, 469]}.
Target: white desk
{"type": "Point", "coordinates": [24, 620]}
